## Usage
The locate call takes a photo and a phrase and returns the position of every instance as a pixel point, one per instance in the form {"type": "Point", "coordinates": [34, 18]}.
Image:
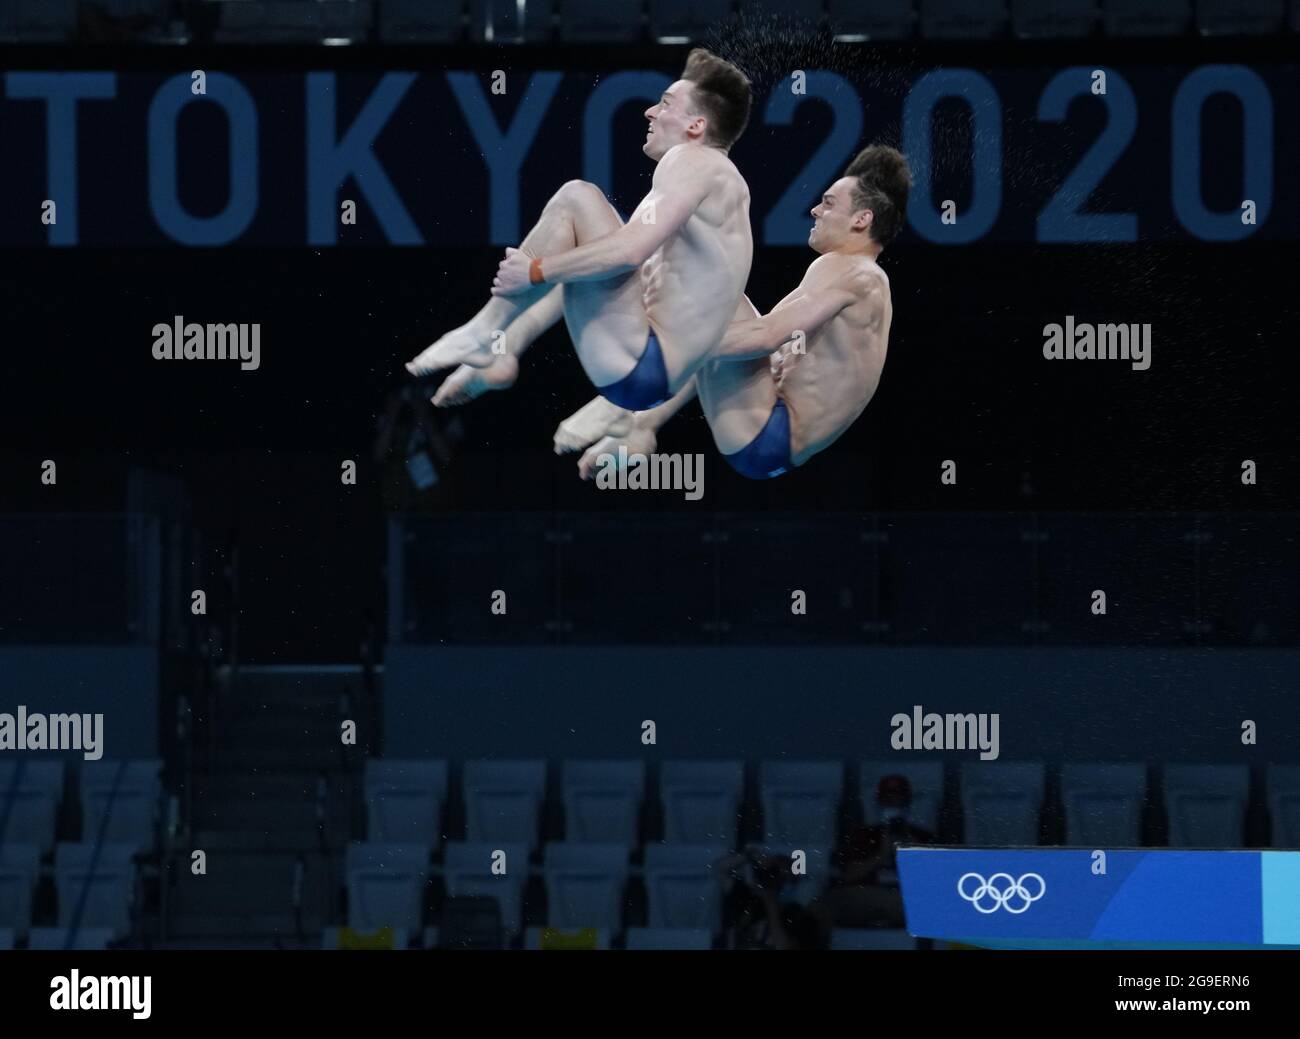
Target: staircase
{"type": "Point", "coordinates": [274, 800]}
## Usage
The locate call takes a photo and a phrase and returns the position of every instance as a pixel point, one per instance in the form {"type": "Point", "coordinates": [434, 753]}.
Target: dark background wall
{"type": "Point", "coordinates": [770, 702]}
{"type": "Point", "coordinates": [119, 682]}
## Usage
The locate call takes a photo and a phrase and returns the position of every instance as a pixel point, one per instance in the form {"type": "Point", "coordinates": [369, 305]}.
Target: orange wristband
{"type": "Point", "coordinates": [535, 271]}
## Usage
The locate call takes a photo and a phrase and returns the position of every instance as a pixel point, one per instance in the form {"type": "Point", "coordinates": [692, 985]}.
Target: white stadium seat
{"type": "Point", "coordinates": [1103, 804]}
{"type": "Point", "coordinates": [602, 800]}
{"type": "Point", "coordinates": [86, 938]}
{"type": "Point", "coordinates": [1239, 17]}
{"type": "Point", "coordinates": [801, 801]}
{"type": "Point", "coordinates": [584, 885]}
{"type": "Point", "coordinates": [668, 938]}
{"type": "Point", "coordinates": [1206, 805]}
{"type": "Point", "coordinates": [683, 888]}
{"type": "Point", "coordinates": [386, 887]}
{"type": "Point", "coordinates": [962, 19]}
{"type": "Point", "coordinates": [96, 885]}
{"type": "Point", "coordinates": [19, 871]}
{"type": "Point", "coordinates": [1146, 17]}
{"type": "Point", "coordinates": [1053, 19]}
{"type": "Point", "coordinates": [404, 801]}
{"type": "Point", "coordinates": [503, 801]}
{"type": "Point", "coordinates": [701, 801]}
{"type": "Point", "coordinates": [1284, 805]}
{"type": "Point", "coordinates": [1001, 802]}
{"type": "Point", "coordinates": [120, 804]}
{"type": "Point", "coordinates": [871, 938]}
{"type": "Point", "coordinates": [467, 870]}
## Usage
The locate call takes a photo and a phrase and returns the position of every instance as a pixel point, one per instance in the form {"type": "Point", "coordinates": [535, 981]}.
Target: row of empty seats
{"type": "Point", "coordinates": [581, 21]}
{"type": "Point", "coordinates": [801, 802]}
{"type": "Point", "coordinates": [119, 801]}
{"type": "Point", "coordinates": [95, 878]}
{"type": "Point", "coordinates": [95, 885]}
{"type": "Point", "coordinates": [602, 21]}
{"type": "Point", "coordinates": [644, 939]}
{"type": "Point", "coordinates": [586, 884]}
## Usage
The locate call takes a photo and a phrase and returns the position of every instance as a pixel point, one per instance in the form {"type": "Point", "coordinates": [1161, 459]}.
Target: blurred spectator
{"type": "Point", "coordinates": [867, 893]}
{"type": "Point", "coordinates": [764, 914]}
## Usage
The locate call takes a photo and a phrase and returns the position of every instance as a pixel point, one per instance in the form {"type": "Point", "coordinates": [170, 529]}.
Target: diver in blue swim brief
{"type": "Point", "coordinates": [676, 268]}
{"type": "Point", "coordinates": [785, 385]}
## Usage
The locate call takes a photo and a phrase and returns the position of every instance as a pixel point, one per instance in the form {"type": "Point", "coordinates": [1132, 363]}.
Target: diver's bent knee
{"type": "Point", "coordinates": [580, 192]}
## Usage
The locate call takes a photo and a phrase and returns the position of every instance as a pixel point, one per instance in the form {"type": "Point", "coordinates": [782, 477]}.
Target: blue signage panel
{"type": "Point", "coordinates": [1084, 154]}
{"type": "Point", "coordinates": [1157, 896]}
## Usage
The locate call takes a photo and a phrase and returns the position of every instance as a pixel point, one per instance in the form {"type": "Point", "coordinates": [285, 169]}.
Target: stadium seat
{"type": "Point", "coordinates": [37, 21]}
{"type": "Point", "coordinates": [404, 801]}
{"type": "Point", "coordinates": [467, 871]}
{"type": "Point", "coordinates": [871, 938]}
{"type": "Point", "coordinates": [602, 801]}
{"type": "Point", "coordinates": [600, 21]}
{"type": "Point", "coordinates": [584, 885]}
{"type": "Point", "coordinates": [337, 939]}
{"type": "Point", "coordinates": [156, 10]}
{"type": "Point", "coordinates": [511, 21]}
{"type": "Point", "coordinates": [926, 778]}
{"type": "Point", "coordinates": [686, 19]}
{"type": "Point", "coordinates": [1206, 805]}
{"type": "Point", "coordinates": [701, 801]}
{"type": "Point", "coordinates": [801, 801]}
{"type": "Point", "coordinates": [36, 774]}
{"type": "Point", "coordinates": [1001, 802]}
{"type": "Point", "coordinates": [96, 885]}
{"type": "Point", "coordinates": [19, 871]}
{"type": "Point", "coordinates": [120, 804]}
{"type": "Point", "coordinates": [810, 10]}
{"type": "Point", "coordinates": [668, 938]}
{"type": "Point", "coordinates": [292, 21]}
{"type": "Point", "coordinates": [880, 20]}
{"type": "Point", "coordinates": [536, 938]}
{"type": "Point", "coordinates": [1103, 804]}
{"type": "Point", "coordinates": [418, 21]}
{"type": "Point", "coordinates": [1053, 19]}
{"type": "Point", "coordinates": [386, 887]}
{"type": "Point", "coordinates": [1284, 805]}
{"type": "Point", "coordinates": [503, 801]}
{"type": "Point", "coordinates": [1146, 17]}
{"type": "Point", "coordinates": [1239, 17]}
{"type": "Point", "coordinates": [32, 815]}
{"type": "Point", "coordinates": [683, 889]}
{"type": "Point", "coordinates": [963, 19]}
{"type": "Point", "coordinates": [30, 792]}
{"type": "Point", "coordinates": [86, 938]}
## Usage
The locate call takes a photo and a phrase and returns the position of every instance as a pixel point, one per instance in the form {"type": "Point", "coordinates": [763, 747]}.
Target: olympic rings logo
{"type": "Point", "coordinates": [1001, 891]}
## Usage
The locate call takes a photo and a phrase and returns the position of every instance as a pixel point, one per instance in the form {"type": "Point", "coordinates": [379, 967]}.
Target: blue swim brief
{"type": "Point", "coordinates": [768, 454]}
{"type": "Point", "coordinates": [646, 385]}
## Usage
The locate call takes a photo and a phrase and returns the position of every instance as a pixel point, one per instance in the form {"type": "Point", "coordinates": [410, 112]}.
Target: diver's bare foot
{"type": "Point", "coordinates": [595, 419]}
{"type": "Point", "coordinates": [637, 442]}
{"type": "Point", "coordinates": [464, 345]}
{"type": "Point", "coordinates": [466, 384]}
